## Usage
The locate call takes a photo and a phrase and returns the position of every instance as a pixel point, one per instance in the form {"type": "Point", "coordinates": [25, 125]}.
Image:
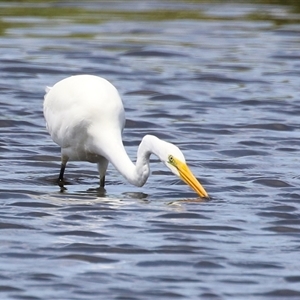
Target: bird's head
{"type": "Point", "coordinates": [175, 161]}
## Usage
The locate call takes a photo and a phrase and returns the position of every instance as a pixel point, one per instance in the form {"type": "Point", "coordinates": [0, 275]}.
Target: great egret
{"type": "Point", "coordinates": [85, 117]}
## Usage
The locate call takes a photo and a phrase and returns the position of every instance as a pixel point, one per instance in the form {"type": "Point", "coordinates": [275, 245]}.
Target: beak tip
{"type": "Point", "coordinates": [205, 196]}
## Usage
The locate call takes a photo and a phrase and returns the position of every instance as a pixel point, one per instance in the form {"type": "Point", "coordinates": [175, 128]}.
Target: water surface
{"type": "Point", "coordinates": [219, 80]}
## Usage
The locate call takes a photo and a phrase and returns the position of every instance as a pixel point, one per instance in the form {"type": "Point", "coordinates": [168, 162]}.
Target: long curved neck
{"type": "Point", "coordinates": [137, 174]}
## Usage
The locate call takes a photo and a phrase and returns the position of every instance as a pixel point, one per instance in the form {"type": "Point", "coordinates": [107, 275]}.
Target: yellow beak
{"type": "Point", "coordinates": [188, 177]}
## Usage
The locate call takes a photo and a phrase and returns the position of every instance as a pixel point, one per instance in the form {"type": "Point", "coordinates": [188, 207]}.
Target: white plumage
{"type": "Point", "coordinates": [85, 117]}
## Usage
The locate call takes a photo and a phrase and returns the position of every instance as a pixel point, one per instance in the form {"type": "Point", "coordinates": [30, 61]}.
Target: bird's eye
{"type": "Point", "coordinates": [171, 159]}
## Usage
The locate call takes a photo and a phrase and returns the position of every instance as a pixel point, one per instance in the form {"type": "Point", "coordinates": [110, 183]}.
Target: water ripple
{"type": "Point", "coordinates": [220, 81]}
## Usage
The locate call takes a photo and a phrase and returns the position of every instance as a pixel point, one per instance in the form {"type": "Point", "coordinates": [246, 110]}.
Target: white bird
{"type": "Point", "coordinates": [85, 117]}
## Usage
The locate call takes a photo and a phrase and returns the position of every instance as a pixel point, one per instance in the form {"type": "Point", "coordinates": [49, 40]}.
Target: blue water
{"type": "Point", "coordinates": [224, 88]}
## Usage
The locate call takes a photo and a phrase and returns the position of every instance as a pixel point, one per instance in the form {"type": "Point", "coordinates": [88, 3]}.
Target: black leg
{"type": "Point", "coordinates": [61, 175]}
{"type": "Point", "coordinates": [102, 182]}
